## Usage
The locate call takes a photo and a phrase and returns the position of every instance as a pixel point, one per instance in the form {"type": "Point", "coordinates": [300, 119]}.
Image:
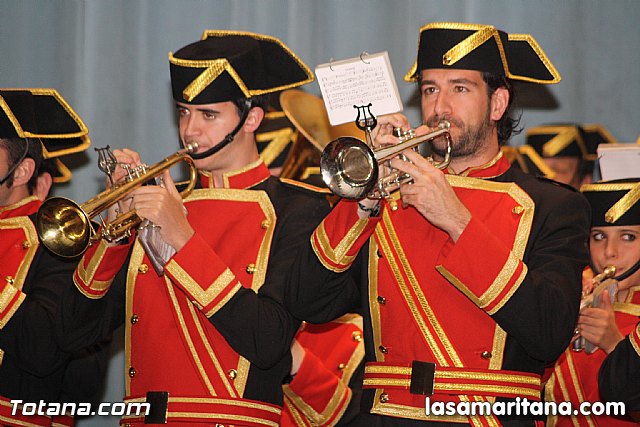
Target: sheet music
{"type": "Point", "coordinates": [358, 81]}
{"type": "Point", "coordinates": [618, 161]}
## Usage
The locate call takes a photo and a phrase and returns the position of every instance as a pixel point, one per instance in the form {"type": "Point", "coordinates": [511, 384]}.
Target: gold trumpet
{"type": "Point", "coordinates": [350, 167]}
{"type": "Point", "coordinates": [65, 228]}
{"type": "Point", "coordinates": [601, 282]}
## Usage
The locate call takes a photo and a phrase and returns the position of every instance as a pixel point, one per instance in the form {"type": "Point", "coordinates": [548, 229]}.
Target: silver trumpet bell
{"type": "Point", "coordinates": [350, 167]}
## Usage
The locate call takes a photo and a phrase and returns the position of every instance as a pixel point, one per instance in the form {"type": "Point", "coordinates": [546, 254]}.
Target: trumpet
{"type": "Point", "coordinates": [65, 228]}
{"type": "Point", "coordinates": [350, 167]}
{"type": "Point", "coordinates": [604, 281]}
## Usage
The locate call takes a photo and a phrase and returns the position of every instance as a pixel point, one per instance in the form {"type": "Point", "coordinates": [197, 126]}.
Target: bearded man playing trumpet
{"type": "Point", "coordinates": [470, 277]}
{"type": "Point", "coordinates": [207, 336]}
{"type": "Point", "coordinates": [614, 242]}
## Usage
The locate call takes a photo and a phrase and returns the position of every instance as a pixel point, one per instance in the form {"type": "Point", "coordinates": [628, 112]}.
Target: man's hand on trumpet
{"type": "Point", "coordinates": [162, 205]}
{"type": "Point", "coordinates": [382, 136]}
{"type": "Point", "coordinates": [431, 194]}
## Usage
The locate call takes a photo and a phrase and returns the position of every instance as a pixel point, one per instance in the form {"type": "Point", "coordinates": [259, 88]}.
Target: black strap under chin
{"type": "Point", "coordinates": [248, 104]}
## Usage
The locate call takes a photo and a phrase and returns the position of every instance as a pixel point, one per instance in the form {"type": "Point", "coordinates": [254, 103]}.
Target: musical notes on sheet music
{"type": "Point", "coordinates": [357, 82]}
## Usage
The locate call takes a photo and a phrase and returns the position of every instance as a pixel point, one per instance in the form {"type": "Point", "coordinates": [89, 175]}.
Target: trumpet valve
{"type": "Point", "coordinates": [404, 135]}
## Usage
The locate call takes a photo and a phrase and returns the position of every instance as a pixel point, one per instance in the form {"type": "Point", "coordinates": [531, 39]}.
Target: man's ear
{"type": "Point", "coordinates": [254, 118]}
{"type": "Point", "coordinates": [43, 185]}
{"type": "Point", "coordinates": [499, 103]}
{"type": "Point", "coordinates": [24, 172]}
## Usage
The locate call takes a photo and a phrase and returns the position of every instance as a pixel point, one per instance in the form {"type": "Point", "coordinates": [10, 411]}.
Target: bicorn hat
{"type": "Point", "coordinates": [44, 114]}
{"type": "Point", "coordinates": [230, 65]}
{"type": "Point", "coordinates": [614, 202]}
{"type": "Point", "coordinates": [452, 45]}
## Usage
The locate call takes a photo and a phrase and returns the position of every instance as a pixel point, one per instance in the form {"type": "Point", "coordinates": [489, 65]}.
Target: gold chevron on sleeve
{"type": "Point", "coordinates": [203, 297]}
{"type": "Point", "coordinates": [634, 337]}
{"type": "Point", "coordinates": [7, 295]}
{"type": "Point", "coordinates": [87, 273]}
{"type": "Point", "coordinates": [339, 253]}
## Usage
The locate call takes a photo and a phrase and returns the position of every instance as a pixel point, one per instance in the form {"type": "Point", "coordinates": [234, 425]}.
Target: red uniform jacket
{"type": "Point", "coordinates": [319, 393]}
{"type": "Point", "coordinates": [33, 366]}
{"type": "Point", "coordinates": [575, 375]}
{"type": "Point", "coordinates": [212, 331]}
{"type": "Point", "coordinates": [477, 309]}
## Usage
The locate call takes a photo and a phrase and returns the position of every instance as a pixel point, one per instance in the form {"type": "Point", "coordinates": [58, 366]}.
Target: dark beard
{"type": "Point", "coordinates": [468, 143]}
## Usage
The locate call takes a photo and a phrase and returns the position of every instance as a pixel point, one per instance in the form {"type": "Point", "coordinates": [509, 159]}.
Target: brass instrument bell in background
{"type": "Point", "coordinates": [308, 114]}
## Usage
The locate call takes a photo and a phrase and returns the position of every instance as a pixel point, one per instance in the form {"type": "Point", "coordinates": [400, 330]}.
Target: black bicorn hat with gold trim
{"type": "Point", "coordinates": [614, 202]}
{"type": "Point", "coordinates": [567, 140]}
{"type": "Point", "coordinates": [43, 114]}
{"type": "Point", "coordinates": [229, 65]}
{"type": "Point", "coordinates": [454, 45]}
{"type": "Point", "coordinates": [531, 164]}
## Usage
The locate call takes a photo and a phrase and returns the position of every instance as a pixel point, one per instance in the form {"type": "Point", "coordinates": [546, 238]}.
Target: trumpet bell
{"type": "Point", "coordinates": [63, 227]}
{"type": "Point", "coordinates": [349, 168]}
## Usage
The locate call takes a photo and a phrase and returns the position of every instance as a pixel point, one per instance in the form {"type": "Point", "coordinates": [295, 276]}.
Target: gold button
{"type": "Point", "coordinates": [264, 224]}
{"type": "Point", "coordinates": [132, 372]}
{"type": "Point", "coordinates": [382, 300]}
{"type": "Point", "coordinates": [232, 374]}
{"type": "Point", "coordinates": [486, 355]}
{"type": "Point", "coordinates": [356, 336]}
{"type": "Point", "coordinates": [517, 210]}
{"type": "Point", "coordinates": [342, 366]}
{"type": "Point", "coordinates": [251, 268]}
{"type": "Point", "coordinates": [384, 397]}
{"type": "Point", "coordinates": [143, 268]}
{"type": "Point", "coordinates": [127, 425]}
{"type": "Point", "coordinates": [26, 244]}
{"type": "Point", "coordinates": [383, 349]}
{"type": "Point", "coordinates": [9, 279]}
{"type": "Point", "coordinates": [134, 319]}
{"type": "Point", "coordinates": [393, 205]}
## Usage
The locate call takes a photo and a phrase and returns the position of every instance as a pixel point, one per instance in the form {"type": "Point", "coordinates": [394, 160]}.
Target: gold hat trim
{"type": "Point", "coordinates": [48, 92]}
{"type": "Point", "coordinates": [471, 43]}
{"type": "Point", "coordinates": [65, 173]}
{"type": "Point", "coordinates": [564, 136]}
{"type": "Point", "coordinates": [601, 130]}
{"type": "Point", "coordinates": [212, 69]}
{"type": "Point", "coordinates": [215, 67]}
{"type": "Point", "coordinates": [532, 154]}
{"type": "Point", "coordinates": [475, 40]}
{"type": "Point", "coordinates": [621, 206]}
{"type": "Point", "coordinates": [541, 55]}
{"type": "Point", "coordinates": [82, 134]}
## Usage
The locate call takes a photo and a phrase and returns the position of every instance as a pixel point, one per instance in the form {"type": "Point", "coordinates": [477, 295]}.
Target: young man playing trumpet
{"type": "Point", "coordinates": [208, 338]}
{"type": "Point", "coordinates": [469, 278]}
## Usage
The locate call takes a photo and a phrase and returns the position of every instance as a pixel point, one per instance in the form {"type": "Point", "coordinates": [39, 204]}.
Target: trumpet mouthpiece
{"type": "Point", "coordinates": [191, 147]}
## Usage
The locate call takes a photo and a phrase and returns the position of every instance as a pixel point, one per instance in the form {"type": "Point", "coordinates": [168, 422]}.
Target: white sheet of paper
{"type": "Point", "coordinates": [358, 81]}
{"type": "Point", "coordinates": [619, 161]}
